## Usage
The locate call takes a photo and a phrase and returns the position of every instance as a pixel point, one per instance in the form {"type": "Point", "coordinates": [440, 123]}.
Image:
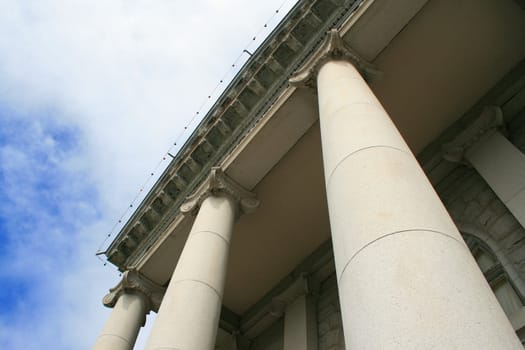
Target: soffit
{"type": "Point", "coordinates": [445, 60]}
{"type": "Point", "coordinates": [290, 224]}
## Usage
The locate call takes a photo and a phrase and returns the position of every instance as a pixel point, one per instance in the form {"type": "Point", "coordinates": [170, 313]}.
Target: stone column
{"type": "Point", "coordinates": [131, 300]}
{"type": "Point", "coordinates": [406, 279]}
{"type": "Point", "coordinates": [496, 159]}
{"type": "Point", "coordinates": [189, 314]}
{"type": "Point", "coordinates": [300, 321]}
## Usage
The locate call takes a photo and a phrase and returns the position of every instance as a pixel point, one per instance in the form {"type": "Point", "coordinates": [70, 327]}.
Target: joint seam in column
{"type": "Point", "coordinates": [115, 336]}
{"type": "Point", "coordinates": [346, 105]}
{"type": "Point", "coordinates": [388, 235]}
{"type": "Point", "coordinates": [334, 81]}
{"type": "Point", "coordinates": [201, 282]}
{"type": "Point", "coordinates": [357, 151]}
{"type": "Point", "coordinates": [214, 233]}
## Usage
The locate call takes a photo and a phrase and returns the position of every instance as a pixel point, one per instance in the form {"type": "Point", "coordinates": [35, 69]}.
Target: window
{"type": "Point", "coordinates": [508, 297]}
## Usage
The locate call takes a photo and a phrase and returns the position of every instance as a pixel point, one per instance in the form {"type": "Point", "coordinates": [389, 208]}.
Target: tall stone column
{"type": "Point", "coordinates": [406, 279]}
{"type": "Point", "coordinates": [189, 314]}
{"type": "Point", "coordinates": [496, 159]}
{"type": "Point", "coordinates": [131, 300]}
{"type": "Point", "coordinates": [300, 316]}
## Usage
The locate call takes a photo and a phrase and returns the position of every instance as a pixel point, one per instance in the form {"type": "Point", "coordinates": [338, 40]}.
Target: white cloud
{"type": "Point", "coordinates": [121, 78]}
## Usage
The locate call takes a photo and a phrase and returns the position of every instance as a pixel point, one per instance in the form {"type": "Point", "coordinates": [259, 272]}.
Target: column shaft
{"type": "Point", "coordinates": [502, 165]}
{"type": "Point", "coordinates": [123, 325]}
{"type": "Point", "coordinates": [406, 279]}
{"type": "Point", "coordinates": [300, 324]}
{"type": "Point", "coordinates": [189, 314]}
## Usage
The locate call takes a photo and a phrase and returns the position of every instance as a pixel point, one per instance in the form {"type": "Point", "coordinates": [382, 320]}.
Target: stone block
{"type": "Point", "coordinates": [498, 207]}
{"type": "Point", "coordinates": [447, 182]}
{"type": "Point", "coordinates": [335, 320]}
{"type": "Point", "coordinates": [487, 217]}
{"type": "Point", "coordinates": [324, 327]}
{"type": "Point", "coordinates": [472, 211]}
{"type": "Point", "coordinates": [325, 312]}
{"type": "Point", "coordinates": [486, 196]}
{"type": "Point", "coordinates": [332, 337]}
{"type": "Point", "coordinates": [456, 208]}
{"type": "Point", "coordinates": [503, 226]}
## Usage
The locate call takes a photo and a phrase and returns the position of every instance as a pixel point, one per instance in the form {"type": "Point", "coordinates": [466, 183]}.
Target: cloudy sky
{"type": "Point", "coordinates": [92, 95]}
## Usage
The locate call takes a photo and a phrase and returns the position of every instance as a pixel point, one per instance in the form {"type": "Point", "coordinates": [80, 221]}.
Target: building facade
{"type": "Point", "coordinates": [359, 185]}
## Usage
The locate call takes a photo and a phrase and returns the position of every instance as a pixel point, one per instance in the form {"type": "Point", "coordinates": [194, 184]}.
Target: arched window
{"type": "Point", "coordinates": [508, 296]}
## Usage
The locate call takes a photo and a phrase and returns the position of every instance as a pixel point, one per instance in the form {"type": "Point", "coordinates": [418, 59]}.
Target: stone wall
{"type": "Point", "coordinates": [476, 210]}
{"type": "Point", "coordinates": [517, 130]}
{"type": "Point", "coordinates": [330, 331]}
{"type": "Point", "coordinates": [270, 339]}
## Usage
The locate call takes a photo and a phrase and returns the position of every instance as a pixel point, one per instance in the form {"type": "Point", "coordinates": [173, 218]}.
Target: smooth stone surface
{"type": "Point", "coordinates": [342, 94]}
{"type": "Point", "coordinates": [189, 314]}
{"type": "Point", "coordinates": [193, 325]}
{"type": "Point", "coordinates": [393, 196]}
{"type": "Point", "coordinates": [300, 324]}
{"type": "Point", "coordinates": [398, 301]}
{"type": "Point", "coordinates": [502, 165]}
{"type": "Point", "coordinates": [123, 325]}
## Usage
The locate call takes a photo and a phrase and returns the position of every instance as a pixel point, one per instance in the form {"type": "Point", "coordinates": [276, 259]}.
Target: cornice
{"type": "Point", "coordinates": [254, 90]}
{"type": "Point", "coordinates": [333, 48]}
{"type": "Point", "coordinates": [219, 184]}
{"type": "Point", "coordinates": [489, 121]}
{"type": "Point", "coordinates": [133, 282]}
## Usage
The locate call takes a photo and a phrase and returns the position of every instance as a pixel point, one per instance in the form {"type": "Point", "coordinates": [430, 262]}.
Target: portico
{"type": "Point", "coordinates": [325, 167]}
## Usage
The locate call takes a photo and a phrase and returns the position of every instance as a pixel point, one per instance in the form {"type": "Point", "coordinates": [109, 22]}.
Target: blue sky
{"type": "Point", "coordinates": [44, 201]}
{"type": "Point", "coordinates": [92, 95]}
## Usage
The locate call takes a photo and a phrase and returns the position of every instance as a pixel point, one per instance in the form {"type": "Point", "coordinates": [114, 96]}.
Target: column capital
{"type": "Point", "coordinates": [489, 121]}
{"type": "Point", "coordinates": [332, 48]}
{"type": "Point", "coordinates": [133, 281]}
{"type": "Point", "coordinates": [301, 286]}
{"type": "Point", "coordinates": [219, 184]}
